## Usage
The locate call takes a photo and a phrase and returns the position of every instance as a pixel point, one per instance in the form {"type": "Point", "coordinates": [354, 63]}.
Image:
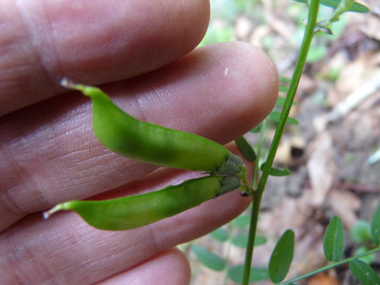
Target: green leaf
{"type": "Point", "coordinates": [257, 274]}
{"type": "Point", "coordinates": [275, 116]}
{"type": "Point", "coordinates": [246, 149]}
{"type": "Point", "coordinates": [260, 240]}
{"type": "Point", "coordinates": [281, 102]}
{"type": "Point", "coordinates": [283, 89]}
{"type": "Point", "coordinates": [276, 172]}
{"type": "Point", "coordinates": [333, 242]}
{"type": "Point", "coordinates": [316, 53]}
{"type": "Point", "coordinates": [207, 258]}
{"type": "Point", "coordinates": [361, 231]}
{"type": "Point", "coordinates": [220, 234]}
{"type": "Point", "coordinates": [240, 240]}
{"type": "Point", "coordinates": [375, 227]}
{"type": "Point", "coordinates": [256, 129]}
{"type": "Point", "coordinates": [285, 79]}
{"type": "Point", "coordinates": [343, 7]}
{"type": "Point", "coordinates": [357, 7]}
{"type": "Point", "coordinates": [242, 221]}
{"type": "Point", "coordinates": [282, 257]}
{"type": "Point", "coordinates": [370, 258]}
{"type": "Point", "coordinates": [364, 273]}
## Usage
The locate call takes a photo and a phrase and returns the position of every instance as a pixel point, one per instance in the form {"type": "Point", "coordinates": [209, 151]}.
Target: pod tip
{"type": "Point", "coordinates": [50, 212]}
{"type": "Point", "coordinates": [65, 82]}
{"type": "Point", "coordinates": [86, 90]}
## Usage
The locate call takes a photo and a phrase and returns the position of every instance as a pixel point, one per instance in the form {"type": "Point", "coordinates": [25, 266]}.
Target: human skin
{"type": "Point", "coordinates": [141, 54]}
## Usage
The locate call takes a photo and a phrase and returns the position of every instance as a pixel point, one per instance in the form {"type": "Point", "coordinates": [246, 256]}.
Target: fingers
{"type": "Point", "coordinates": [226, 80]}
{"type": "Point", "coordinates": [92, 42]}
{"type": "Point", "coordinates": [65, 250]}
{"type": "Point", "coordinates": [220, 92]}
{"type": "Point", "coordinates": [168, 267]}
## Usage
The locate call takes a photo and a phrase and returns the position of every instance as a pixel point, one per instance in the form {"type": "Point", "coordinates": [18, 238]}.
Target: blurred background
{"type": "Point", "coordinates": [332, 148]}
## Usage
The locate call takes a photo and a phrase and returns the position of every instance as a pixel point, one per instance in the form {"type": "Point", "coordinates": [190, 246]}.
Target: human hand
{"type": "Point", "coordinates": [141, 54]}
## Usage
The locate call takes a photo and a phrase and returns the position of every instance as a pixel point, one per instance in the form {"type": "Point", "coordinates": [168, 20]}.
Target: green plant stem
{"type": "Point", "coordinates": [255, 178]}
{"type": "Point", "coordinates": [309, 33]}
{"type": "Point", "coordinates": [331, 265]}
{"type": "Point", "coordinates": [257, 195]}
{"type": "Point", "coordinates": [251, 235]}
{"type": "Point", "coordinates": [256, 206]}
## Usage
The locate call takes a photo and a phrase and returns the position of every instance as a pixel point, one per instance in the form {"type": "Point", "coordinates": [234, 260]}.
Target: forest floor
{"type": "Point", "coordinates": [330, 152]}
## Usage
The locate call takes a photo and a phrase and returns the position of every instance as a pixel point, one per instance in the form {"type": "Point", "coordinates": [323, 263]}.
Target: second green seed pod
{"type": "Point", "coordinates": [139, 210]}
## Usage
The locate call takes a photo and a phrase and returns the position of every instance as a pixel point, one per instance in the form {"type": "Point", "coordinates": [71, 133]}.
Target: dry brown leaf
{"type": "Point", "coordinates": [258, 35]}
{"type": "Point", "coordinates": [322, 279]}
{"type": "Point", "coordinates": [208, 276]}
{"type": "Point", "coordinates": [370, 24]}
{"type": "Point", "coordinates": [306, 86]}
{"type": "Point", "coordinates": [321, 167]}
{"type": "Point", "coordinates": [291, 213]}
{"type": "Point", "coordinates": [291, 151]}
{"type": "Point", "coordinates": [353, 76]}
{"type": "Point", "coordinates": [243, 27]}
{"type": "Point", "coordinates": [344, 204]}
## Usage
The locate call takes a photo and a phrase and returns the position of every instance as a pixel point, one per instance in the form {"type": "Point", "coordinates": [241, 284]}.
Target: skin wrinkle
{"type": "Point", "coordinates": [115, 257]}
{"type": "Point", "coordinates": [39, 265]}
{"type": "Point", "coordinates": [210, 115]}
{"type": "Point", "coordinates": [232, 79]}
{"type": "Point", "coordinates": [21, 174]}
{"type": "Point", "coordinates": [112, 269]}
{"type": "Point", "coordinates": [31, 188]}
{"type": "Point", "coordinates": [69, 242]}
{"type": "Point", "coordinates": [25, 247]}
{"type": "Point", "coordinates": [83, 57]}
{"type": "Point", "coordinates": [171, 263]}
{"type": "Point", "coordinates": [26, 60]}
{"type": "Point", "coordinates": [18, 163]}
{"type": "Point", "coordinates": [37, 22]}
{"type": "Point", "coordinates": [18, 249]}
{"type": "Point", "coordinates": [163, 82]}
{"type": "Point", "coordinates": [62, 267]}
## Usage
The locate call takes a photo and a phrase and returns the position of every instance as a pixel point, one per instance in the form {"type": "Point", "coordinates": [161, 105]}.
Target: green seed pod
{"type": "Point", "coordinates": [154, 144]}
{"type": "Point", "coordinates": [139, 210]}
